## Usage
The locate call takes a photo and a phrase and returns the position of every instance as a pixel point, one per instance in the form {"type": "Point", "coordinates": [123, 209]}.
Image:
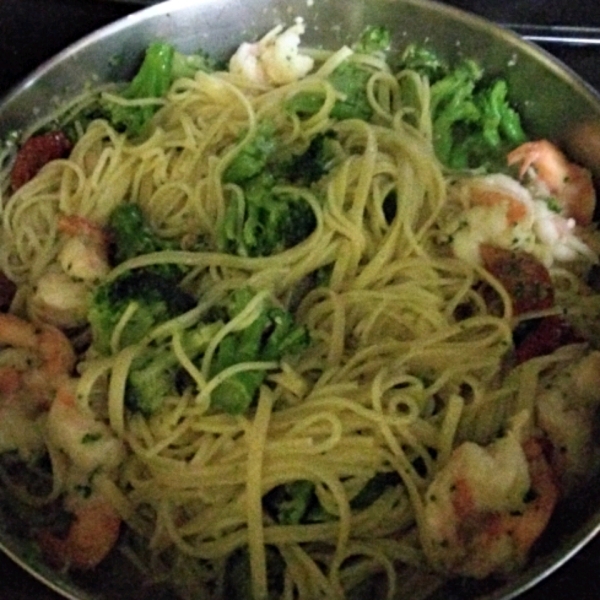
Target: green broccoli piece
{"type": "Point", "coordinates": [350, 80]}
{"type": "Point", "coordinates": [425, 61]}
{"type": "Point", "coordinates": [315, 162]}
{"type": "Point", "coordinates": [473, 122]}
{"type": "Point", "coordinates": [296, 502]}
{"type": "Point", "coordinates": [158, 299]}
{"type": "Point", "coordinates": [156, 373]}
{"type": "Point", "coordinates": [151, 379]}
{"type": "Point", "coordinates": [187, 65]}
{"type": "Point", "coordinates": [452, 104]}
{"type": "Point", "coordinates": [374, 39]}
{"type": "Point", "coordinates": [131, 235]}
{"type": "Point", "coordinates": [269, 221]}
{"type": "Point", "coordinates": [162, 64]}
{"type": "Point", "coordinates": [254, 157]}
{"type": "Point", "coordinates": [289, 503]}
{"type": "Point", "coordinates": [270, 337]}
{"type": "Point", "coordinates": [152, 80]}
{"type": "Point", "coordinates": [272, 221]}
{"type": "Point", "coordinates": [500, 120]}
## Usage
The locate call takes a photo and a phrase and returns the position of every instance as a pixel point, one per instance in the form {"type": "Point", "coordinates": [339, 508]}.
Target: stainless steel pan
{"type": "Point", "coordinates": [555, 103]}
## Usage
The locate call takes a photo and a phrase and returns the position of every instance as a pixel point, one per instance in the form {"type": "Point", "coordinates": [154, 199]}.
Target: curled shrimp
{"type": "Point", "coordinates": [498, 210]}
{"type": "Point", "coordinates": [570, 184]}
{"type": "Point", "coordinates": [35, 361]}
{"type": "Point", "coordinates": [92, 533]}
{"type": "Point", "coordinates": [567, 402]}
{"type": "Point", "coordinates": [84, 256]}
{"type": "Point", "coordinates": [62, 294]}
{"type": "Point", "coordinates": [88, 442]}
{"type": "Point", "coordinates": [50, 356]}
{"type": "Point", "coordinates": [91, 450]}
{"type": "Point", "coordinates": [274, 59]}
{"type": "Point", "coordinates": [487, 506]}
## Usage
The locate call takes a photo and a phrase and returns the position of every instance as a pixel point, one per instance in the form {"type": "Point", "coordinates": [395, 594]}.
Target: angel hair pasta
{"type": "Point", "coordinates": [307, 325]}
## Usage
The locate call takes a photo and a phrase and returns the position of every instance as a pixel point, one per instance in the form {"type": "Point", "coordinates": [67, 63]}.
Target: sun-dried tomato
{"type": "Point", "coordinates": [550, 334]}
{"type": "Point", "coordinates": [36, 152]}
{"type": "Point", "coordinates": [524, 277]}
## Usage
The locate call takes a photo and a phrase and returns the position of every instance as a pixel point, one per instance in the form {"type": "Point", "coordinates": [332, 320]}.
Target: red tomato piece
{"type": "Point", "coordinates": [36, 152]}
{"type": "Point", "coordinates": [550, 334]}
{"type": "Point", "coordinates": [524, 277]}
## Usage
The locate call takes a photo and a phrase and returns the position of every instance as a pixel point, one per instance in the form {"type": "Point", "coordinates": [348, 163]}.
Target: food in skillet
{"type": "Point", "coordinates": [297, 326]}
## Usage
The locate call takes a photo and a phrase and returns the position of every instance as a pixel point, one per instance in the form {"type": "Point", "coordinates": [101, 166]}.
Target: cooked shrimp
{"type": "Point", "coordinates": [61, 296]}
{"type": "Point", "coordinates": [478, 518]}
{"type": "Point", "coordinates": [35, 360]}
{"type": "Point", "coordinates": [567, 401]}
{"type": "Point", "coordinates": [500, 211]}
{"type": "Point", "coordinates": [84, 256]}
{"type": "Point", "coordinates": [548, 169]}
{"type": "Point", "coordinates": [91, 450]}
{"type": "Point", "coordinates": [88, 442]}
{"type": "Point", "coordinates": [274, 59]}
{"type": "Point", "coordinates": [91, 535]}
{"type": "Point", "coordinates": [18, 427]}
{"type": "Point", "coordinates": [60, 301]}
{"type": "Point", "coordinates": [51, 357]}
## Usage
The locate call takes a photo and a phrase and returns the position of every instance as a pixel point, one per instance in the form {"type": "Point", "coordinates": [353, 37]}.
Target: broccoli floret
{"type": "Point", "coordinates": [151, 379]}
{"type": "Point", "coordinates": [187, 65]}
{"type": "Point", "coordinates": [473, 122]}
{"type": "Point", "coordinates": [452, 104]}
{"type": "Point", "coordinates": [156, 373]}
{"type": "Point", "coordinates": [474, 125]}
{"type": "Point", "coordinates": [350, 80]}
{"type": "Point", "coordinates": [308, 167]}
{"type": "Point", "coordinates": [272, 221]}
{"type": "Point", "coordinates": [267, 220]}
{"type": "Point", "coordinates": [374, 39]}
{"type": "Point", "coordinates": [289, 503]}
{"type": "Point", "coordinates": [425, 61]}
{"type": "Point", "coordinates": [254, 156]}
{"type": "Point", "coordinates": [156, 297]}
{"type": "Point", "coordinates": [162, 64]}
{"type": "Point", "coordinates": [152, 80]}
{"type": "Point", "coordinates": [132, 236]}
{"type": "Point", "coordinates": [270, 337]}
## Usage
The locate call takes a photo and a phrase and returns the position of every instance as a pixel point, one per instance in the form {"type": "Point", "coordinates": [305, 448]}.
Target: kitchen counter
{"type": "Point", "coordinates": [31, 31]}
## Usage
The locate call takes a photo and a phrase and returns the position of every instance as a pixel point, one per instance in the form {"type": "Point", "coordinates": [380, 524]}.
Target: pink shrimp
{"type": "Point", "coordinates": [92, 534]}
{"type": "Point", "coordinates": [567, 402]}
{"type": "Point", "coordinates": [85, 253]}
{"type": "Point", "coordinates": [87, 441]}
{"type": "Point", "coordinates": [499, 190]}
{"type": "Point", "coordinates": [569, 183]}
{"type": "Point", "coordinates": [36, 361]}
{"type": "Point", "coordinates": [62, 294]}
{"type": "Point", "coordinates": [477, 518]}
{"type": "Point", "coordinates": [91, 450]}
{"type": "Point", "coordinates": [50, 351]}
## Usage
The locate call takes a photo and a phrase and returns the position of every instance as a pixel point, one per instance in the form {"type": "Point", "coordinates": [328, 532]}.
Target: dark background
{"type": "Point", "coordinates": [32, 31]}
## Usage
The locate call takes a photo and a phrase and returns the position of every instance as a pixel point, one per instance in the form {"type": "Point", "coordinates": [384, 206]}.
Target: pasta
{"type": "Point", "coordinates": [335, 474]}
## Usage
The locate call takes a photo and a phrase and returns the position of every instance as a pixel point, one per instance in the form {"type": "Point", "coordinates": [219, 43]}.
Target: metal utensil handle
{"type": "Point", "coordinates": [557, 34]}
